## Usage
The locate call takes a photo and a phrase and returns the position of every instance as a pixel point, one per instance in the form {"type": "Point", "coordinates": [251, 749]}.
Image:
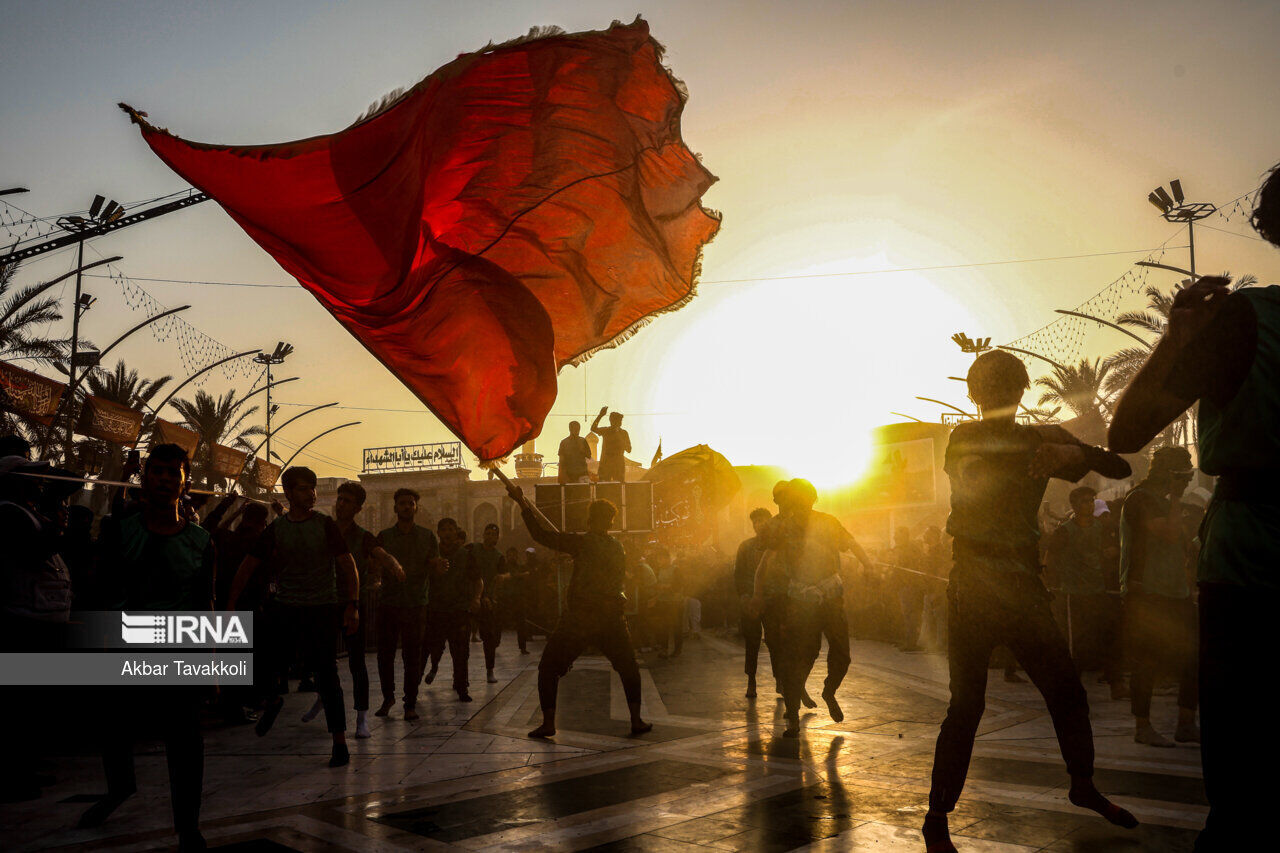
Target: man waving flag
{"type": "Point", "coordinates": [517, 210]}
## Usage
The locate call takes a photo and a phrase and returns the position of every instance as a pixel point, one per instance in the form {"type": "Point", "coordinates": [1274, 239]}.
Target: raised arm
{"type": "Point", "coordinates": [595, 425]}
{"type": "Point", "coordinates": [1065, 457]}
{"type": "Point", "coordinates": [541, 534]}
{"type": "Point", "coordinates": [1148, 406]}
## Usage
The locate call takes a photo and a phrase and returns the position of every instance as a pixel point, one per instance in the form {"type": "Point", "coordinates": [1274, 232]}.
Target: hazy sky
{"type": "Point", "coordinates": [848, 137]}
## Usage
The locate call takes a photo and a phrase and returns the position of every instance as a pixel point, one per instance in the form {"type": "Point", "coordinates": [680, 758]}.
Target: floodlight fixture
{"type": "Point", "coordinates": [276, 356]}
{"type": "Point", "coordinates": [1175, 207]}
{"type": "Point", "coordinates": [973, 346]}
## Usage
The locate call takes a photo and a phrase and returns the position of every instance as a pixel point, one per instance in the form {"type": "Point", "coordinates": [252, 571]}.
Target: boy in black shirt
{"type": "Point", "coordinates": [999, 470]}
{"type": "Point", "coordinates": [314, 569]}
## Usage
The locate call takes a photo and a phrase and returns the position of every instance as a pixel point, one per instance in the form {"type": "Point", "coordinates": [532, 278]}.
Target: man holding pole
{"type": "Point", "coordinates": [594, 614]}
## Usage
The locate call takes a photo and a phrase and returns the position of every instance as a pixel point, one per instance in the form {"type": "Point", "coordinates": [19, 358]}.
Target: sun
{"type": "Point", "coordinates": [798, 373]}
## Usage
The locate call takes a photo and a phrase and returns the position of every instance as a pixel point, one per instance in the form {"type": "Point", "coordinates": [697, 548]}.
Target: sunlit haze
{"type": "Point", "coordinates": [847, 138]}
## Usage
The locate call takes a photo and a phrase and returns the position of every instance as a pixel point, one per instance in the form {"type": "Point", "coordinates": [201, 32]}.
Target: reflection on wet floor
{"type": "Point", "coordinates": [715, 774]}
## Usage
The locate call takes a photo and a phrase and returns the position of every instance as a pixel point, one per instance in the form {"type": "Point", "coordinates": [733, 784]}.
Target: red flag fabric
{"type": "Point", "coordinates": [514, 212]}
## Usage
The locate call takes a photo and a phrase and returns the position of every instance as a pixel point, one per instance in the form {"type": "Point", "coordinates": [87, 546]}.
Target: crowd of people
{"type": "Point", "coordinates": [1123, 571]}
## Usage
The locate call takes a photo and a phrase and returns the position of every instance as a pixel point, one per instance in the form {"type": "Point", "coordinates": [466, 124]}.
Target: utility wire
{"type": "Point", "coordinates": [938, 267]}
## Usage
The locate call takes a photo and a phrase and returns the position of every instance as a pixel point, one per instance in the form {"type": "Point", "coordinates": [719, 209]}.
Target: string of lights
{"type": "Point", "coordinates": [196, 350]}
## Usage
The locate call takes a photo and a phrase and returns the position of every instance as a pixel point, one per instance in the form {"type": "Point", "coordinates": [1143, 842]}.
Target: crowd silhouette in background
{"type": "Point", "coordinates": [1148, 590]}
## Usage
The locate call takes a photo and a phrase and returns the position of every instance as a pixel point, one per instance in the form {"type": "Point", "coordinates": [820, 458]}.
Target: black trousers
{"type": "Point", "coordinates": [1162, 638]}
{"type": "Point", "coordinates": [771, 627]}
{"type": "Point", "coordinates": [173, 714]}
{"type": "Point", "coordinates": [357, 646]}
{"type": "Point", "coordinates": [606, 629]}
{"type": "Point", "coordinates": [1094, 634]}
{"type": "Point", "coordinates": [311, 631]}
{"type": "Point", "coordinates": [673, 636]}
{"type": "Point", "coordinates": [803, 627]}
{"type": "Point", "coordinates": [1238, 643]}
{"type": "Point", "coordinates": [404, 627]}
{"type": "Point", "coordinates": [450, 628]}
{"type": "Point", "coordinates": [490, 626]}
{"type": "Point", "coordinates": [985, 612]}
{"type": "Point", "coordinates": [751, 626]}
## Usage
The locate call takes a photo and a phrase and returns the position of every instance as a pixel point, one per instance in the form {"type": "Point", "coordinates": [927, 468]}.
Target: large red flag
{"type": "Point", "coordinates": [517, 210]}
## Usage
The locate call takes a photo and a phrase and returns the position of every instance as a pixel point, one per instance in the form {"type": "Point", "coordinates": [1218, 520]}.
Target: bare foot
{"type": "Point", "coordinates": [807, 700]}
{"type": "Point", "coordinates": [543, 730]}
{"type": "Point", "coordinates": [639, 727]}
{"type": "Point", "coordinates": [833, 707]}
{"type": "Point", "coordinates": [384, 707]}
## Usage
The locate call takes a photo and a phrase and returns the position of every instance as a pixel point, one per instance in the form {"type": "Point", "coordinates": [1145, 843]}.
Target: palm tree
{"type": "Point", "coordinates": [1124, 364]}
{"type": "Point", "coordinates": [23, 311]}
{"type": "Point", "coordinates": [217, 420]}
{"type": "Point", "coordinates": [1078, 387]}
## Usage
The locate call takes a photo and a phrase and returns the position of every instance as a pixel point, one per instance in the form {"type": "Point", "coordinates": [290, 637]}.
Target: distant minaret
{"type": "Point", "coordinates": [528, 463]}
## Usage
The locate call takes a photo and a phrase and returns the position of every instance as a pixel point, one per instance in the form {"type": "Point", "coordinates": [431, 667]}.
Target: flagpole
{"type": "Point", "coordinates": [506, 481]}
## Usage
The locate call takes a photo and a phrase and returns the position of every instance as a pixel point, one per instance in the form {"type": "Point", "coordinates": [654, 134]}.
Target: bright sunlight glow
{"type": "Point", "coordinates": [799, 372]}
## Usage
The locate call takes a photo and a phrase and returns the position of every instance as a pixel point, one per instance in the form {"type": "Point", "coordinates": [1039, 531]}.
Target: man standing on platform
{"type": "Point", "coordinates": [1159, 615]}
{"type": "Point", "coordinates": [402, 610]}
{"type": "Point", "coordinates": [574, 453]}
{"type": "Point", "coordinates": [615, 444]}
{"type": "Point", "coordinates": [594, 613]}
{"type": "Point", "coordinates": [493, 572]}
{"type": "Point", "coordinates": [750, 620]}
{"type": "Point", "coordinates": [454, 595]}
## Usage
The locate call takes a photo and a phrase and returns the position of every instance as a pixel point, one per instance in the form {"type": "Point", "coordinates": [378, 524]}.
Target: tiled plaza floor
{"type": "Point", "coordinates": [715, 773]}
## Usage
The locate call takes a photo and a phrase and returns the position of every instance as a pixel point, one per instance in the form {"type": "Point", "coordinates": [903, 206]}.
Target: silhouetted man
{"type": "Point", "coordinates": [369, 555]}
{"type": "Point", "coordinates": [493, 571]}
{"type": "Point", "coordinates": [750, 620]}
{"type": "Point", "coordinates": [999, 470]}
{"type": "Point", "coordinates": [1159, 616]}
{"type": "Point", "coordinates": [402, 608]}
{"type": "Point", "coordinates": [1074, 553]}
{"type": "Point", "coordinates": [454, 595]}
{"type": "Point", "coordinates": [158, 560]}
{"type": "Point", "coordinates": [1222, 348]}
{"type": "Point", "coordinates": [574, 453]}
{"type": "Point", "coordinates": [593, 614]}
{"type": "Point", "coordinates": [614, 445]}
{"type": "Point", "coordinates": [806, 546]}
{"type": "Point", "coordinates": [314, 569]}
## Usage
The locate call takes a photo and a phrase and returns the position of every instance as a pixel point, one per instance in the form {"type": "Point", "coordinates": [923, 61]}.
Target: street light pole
{"type": "Point", "coordinates": [1174, 207]}
{"type": "Point", "coordinates": [75, 345]}
{"type": "Point", "coordinates": [277, 356]}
